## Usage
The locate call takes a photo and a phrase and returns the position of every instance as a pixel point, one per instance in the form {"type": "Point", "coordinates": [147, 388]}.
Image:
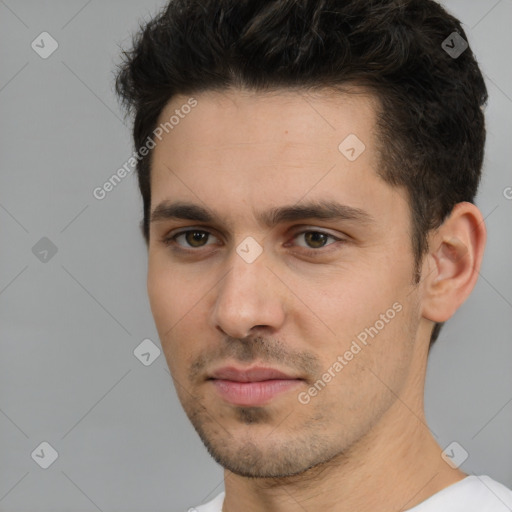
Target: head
{"type": "Point", "coordinates": [266, 99]}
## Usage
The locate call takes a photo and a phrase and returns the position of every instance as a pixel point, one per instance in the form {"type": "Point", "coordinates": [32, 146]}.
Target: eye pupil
{"type": "Point", "coordinates": [317, 237]}
{"type": "Point", "coordinates": [195, 236]}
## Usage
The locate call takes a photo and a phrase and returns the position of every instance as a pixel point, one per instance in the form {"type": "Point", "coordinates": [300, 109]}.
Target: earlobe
{"type": "Point", "coordinates": [456, 252]}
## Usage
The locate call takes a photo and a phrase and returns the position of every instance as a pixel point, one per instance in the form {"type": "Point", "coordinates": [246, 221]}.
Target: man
{"type": "Point", "coordinates": [308, 170]}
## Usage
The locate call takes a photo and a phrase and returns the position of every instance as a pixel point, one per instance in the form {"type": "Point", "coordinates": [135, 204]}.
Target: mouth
{"type": "Point", "coordinates": [253, 386]}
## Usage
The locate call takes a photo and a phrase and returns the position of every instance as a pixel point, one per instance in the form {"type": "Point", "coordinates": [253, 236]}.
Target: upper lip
{"type": "Point", "coordinates": [256, 374]}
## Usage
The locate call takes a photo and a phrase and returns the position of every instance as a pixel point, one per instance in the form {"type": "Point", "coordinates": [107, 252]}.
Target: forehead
{"type": "Point", "coordinates": [272, 132]}
{"type": "Point", "coordinates": [245, 148]}
{"type": "Point", "coordinates": [281, 118]}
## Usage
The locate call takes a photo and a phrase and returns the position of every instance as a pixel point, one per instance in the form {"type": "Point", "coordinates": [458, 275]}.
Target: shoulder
{"type": "Point", "coordinates": [478, 493]}
{"type": "Point", "coordinates": [495, 492]}
{"type": "Point", "coordinates": [214, 505]}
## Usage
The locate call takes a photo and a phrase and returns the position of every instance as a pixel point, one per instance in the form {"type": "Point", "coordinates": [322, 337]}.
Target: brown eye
{"type": "Point", "coordinates": [194, 238]}
{"type": "Point", "coordinates": [315, 239]}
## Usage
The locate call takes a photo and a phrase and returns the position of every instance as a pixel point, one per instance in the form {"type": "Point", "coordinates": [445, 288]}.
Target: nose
{"type": "Point", "coordinates": [249, 296]}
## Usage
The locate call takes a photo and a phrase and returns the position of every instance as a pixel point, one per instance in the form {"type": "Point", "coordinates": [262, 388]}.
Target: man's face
{"type": "Point", "coordinates": [321, 292]}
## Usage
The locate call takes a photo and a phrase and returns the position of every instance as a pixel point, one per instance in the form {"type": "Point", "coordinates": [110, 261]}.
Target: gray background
{"type": "Point", "coordinates": [69, 326]}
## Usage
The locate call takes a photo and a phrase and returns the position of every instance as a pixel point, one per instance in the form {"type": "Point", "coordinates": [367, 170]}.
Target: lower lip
{"type": "Point", "coordinates": [253, 393]}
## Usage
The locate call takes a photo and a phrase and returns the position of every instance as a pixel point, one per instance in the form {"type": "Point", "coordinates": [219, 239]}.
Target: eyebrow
{"type": "Point", "coordinates": [323, 209]}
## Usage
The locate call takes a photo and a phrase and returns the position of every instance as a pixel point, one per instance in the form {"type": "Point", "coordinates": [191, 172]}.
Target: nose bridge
{"type": "Point", "coordinates": [246, 297]}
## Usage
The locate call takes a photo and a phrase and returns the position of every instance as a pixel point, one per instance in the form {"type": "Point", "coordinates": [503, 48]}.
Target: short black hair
{"type": "Point", "coordinates": [430, 121]}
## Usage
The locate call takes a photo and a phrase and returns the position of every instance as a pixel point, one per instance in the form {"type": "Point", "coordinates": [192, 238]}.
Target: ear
{"type": "Point", "coordinates": [453, 263]}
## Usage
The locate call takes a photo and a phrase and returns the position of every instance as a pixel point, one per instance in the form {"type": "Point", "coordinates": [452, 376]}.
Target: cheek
{"type": "Point", "coordinates": [172, 305]}
{"type": "Point", "coordinates": [160, 297]}
{"type": "Point", "coordinates": [350, 300]}
{"type": "Point", "coordinates": [366, 382]}
{"type": "Point", "coordinates": [370, 319]}
{"type": "Point", "coordinates": [168, 290]}
{"type": "Point", "coordinates": [166, 302]}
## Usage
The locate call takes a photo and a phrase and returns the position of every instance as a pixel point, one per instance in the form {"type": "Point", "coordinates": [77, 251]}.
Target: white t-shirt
{"type": "Point", "coordinates": [471, 494]}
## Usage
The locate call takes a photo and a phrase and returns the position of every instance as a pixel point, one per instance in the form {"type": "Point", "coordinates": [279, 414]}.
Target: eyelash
{"type": "Point", "coordinates": [171, 241]}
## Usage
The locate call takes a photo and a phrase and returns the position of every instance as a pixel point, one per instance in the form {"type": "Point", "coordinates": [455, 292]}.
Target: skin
{"type": "Point", "coordinates": [362, 443]}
